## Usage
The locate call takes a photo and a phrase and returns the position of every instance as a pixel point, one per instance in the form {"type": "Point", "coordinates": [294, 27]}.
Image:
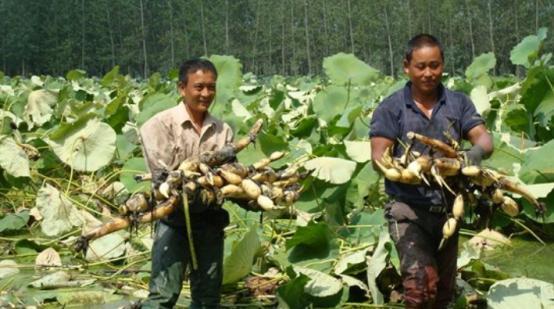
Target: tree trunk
{"type": "Point", "coordinates": [409, 2]}
{"type": "Point", "coordinates": [145, 56]}
{"type": "Point", "coordinates": [536, 16]}
{"type": "Point", "coordinates": [83, 34]}
{"type": "Point", "coordinates": [307, 37]}
{"type": "Point", "coordinates": [268, 65]}
{"type": "Point", "coordinates": [429, 10]}
{"type": "Point", "coordinates": [112, 43]}
{"type": "Point", "coordinates": [227, 27]}
{"type": "Point", "coordinates": [491, 36]}
{"type": "Point", "coordinates": [291, 40]}
{"type": "Point", "coordinates": [389, 41]}
{"type": "Point", "coordinates": [516, 25]}
{"type": "Point", "coordinates": [185, 32]}
{"type": "Point", "coordinates": [203, 28]}
{"type": "Point", "coordinates": [283, 68]}
{"type": "Point", "coordinates": [450, 43]}
{"type": "Point", "coordinates": [255, 47]}
{"type": "Point", "coordinates": [171, 33]}
{"type": "Point", "coordinates": [325, 28]}
{"type": "Point", "coordinates": [350, 31]}
{"type": "Point", "coordinates": [470, 24]}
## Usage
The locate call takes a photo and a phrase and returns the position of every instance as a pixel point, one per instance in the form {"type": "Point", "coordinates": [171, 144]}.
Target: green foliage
{"type": "Point", "coordinates": [537, 166]}
{"type": "Point", "coordinates": [14, 222]}
{"type": "Point", "coordinates": [239, 263]}
{"type": "Point", "coordinates": [85, 146]}
{"type": "Point", "coordinates": [346, 69]}
{"type": "Point", "coordinates": [12, 158]}
{"type": "Point", "coordinates": [479, 68]}
{"type": "Point", "coordinates": [321, 123]}
{"type": "Point", "coordinates": [527, 51]}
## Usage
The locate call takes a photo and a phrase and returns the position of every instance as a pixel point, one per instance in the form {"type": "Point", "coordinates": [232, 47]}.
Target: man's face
{"type": "Point", "coordinates": [199, 91]}
{"type": "Point", "coordinates": [425, 69]}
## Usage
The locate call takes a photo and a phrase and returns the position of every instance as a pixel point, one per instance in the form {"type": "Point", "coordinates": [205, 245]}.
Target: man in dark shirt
{"type": "Point", "coordinates": [417, 213]}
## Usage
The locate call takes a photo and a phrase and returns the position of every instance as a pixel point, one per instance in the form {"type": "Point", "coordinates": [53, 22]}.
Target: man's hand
{"type": "Point", "coordinates": [475, 155]}
{"type": "Point", "coordinates": [482, 148]}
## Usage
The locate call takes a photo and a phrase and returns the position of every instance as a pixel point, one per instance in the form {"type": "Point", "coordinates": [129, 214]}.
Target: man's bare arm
{"type": "Point", "coordinates": [378, 147]}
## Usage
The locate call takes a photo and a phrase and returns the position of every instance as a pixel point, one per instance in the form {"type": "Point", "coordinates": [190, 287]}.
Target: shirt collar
{"type": "Point", "coordinates": [408, 94]}
{"type": "Point", "coordinates": [182, 116]}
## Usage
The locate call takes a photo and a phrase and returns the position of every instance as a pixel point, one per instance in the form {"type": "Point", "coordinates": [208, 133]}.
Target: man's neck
{"type": "Point", "coordinates": [425, 99]}
{"type": "Point", "coordinates": [196, 118]}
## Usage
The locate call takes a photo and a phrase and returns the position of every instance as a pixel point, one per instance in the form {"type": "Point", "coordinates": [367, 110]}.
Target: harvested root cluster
{"type": "Point", "coordinates": [447, 168]}
{"type": "Point", "coordinates": [210, 178]}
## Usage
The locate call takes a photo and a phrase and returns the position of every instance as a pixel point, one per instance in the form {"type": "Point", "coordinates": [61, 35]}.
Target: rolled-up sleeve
{"type": "Point", "coordinates": [384, 123]}
{"type": "Point", "coordinates": [470, 116]}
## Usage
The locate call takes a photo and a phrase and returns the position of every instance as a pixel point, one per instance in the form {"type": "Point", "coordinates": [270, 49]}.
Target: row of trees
{"type": "Point", "coordinates": [286, 37]}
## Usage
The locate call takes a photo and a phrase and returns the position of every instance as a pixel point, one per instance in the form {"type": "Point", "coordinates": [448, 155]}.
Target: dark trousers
{"type": "Point", "coordinates": [171, 256]}
{"type": "Point", "coordinates": [428, 274]}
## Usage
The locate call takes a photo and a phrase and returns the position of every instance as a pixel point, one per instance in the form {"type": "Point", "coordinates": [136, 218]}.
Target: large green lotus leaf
{"type": "Point", "coordinates": [352, 260]}
{"type": "Point", "coordinates": [131, 168]}
{"type": "Point", "coordinates": [519, 293]}
{"type": "Point", "coordinates": [8, 268]}
{"type": "Point", "coordinates": [59, 215]}
{"type": "Point", "coordinates": [366, 227]}
{"type": "Point", "coordinates": [229, 77]}
{"type": "Point", "coordinates": [106, 247]}
{"type": "Point", "coordinates": [505, 155]}
{"type": "Point", "coordinates": [480, 99]}
{"type": "Point", "coordinates": [536, 87]}
{"type": "Point", "coordinates": [480, 66]}
{"type": "Point", "coordinates": [154, 104]}
{"type": "Point", "coordinates": [240, 111]}
{"type": "Point", "coordinates": [545, 110]}
{"type": "Point", "coordinates": [38, 109]}
{"type": "Point", "coordinates": [467, 254]}
{"type": "Point", "coordinates": [320, 284]}
{"type": "Point", "coordinates": [344, 68]}
{"type": "Point", "coordinates": [359, 151]}
{"type": "Point", "coordinates": [314, 235]}
{"type": "Point", "coordinates": [376, 264]}
{"type": "Point", "coordinates": [350, 115]}
{"type": "Point", "coordinates": [366, 178]}
{"type": "Point", "coordinates": [516, 118]}
{"type": "Point", "coordinates": [112, 75]}
{"type": "Point", "coordinates": [87, 147]}
{"type": "Point", "coordinates": [330, 102]}
{"type": "Point", "coordinates": [14, 222]}
{"type": "Point", "coordinates": [239, 263]}
{"type": "Point", "coordinates": [12, 158]}
{"type": "Point", "coordinates": [537, 166]}
{"type": "Point", "coordinates": [124, 147]}
{"type": "Point", "coordinates": [333, 170]}
{"type": "Point", "coordinates": [291, 295]}
{"type": "Point", "coordinates": [527, 50]}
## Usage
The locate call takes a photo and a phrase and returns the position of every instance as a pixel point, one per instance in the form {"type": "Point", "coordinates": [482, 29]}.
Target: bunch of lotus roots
{"type": "Point", "coordinates": [210, 177]}
{"type": "Point", "coordinates": [454, 173]}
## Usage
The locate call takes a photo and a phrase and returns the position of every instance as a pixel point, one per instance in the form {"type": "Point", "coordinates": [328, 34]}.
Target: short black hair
{"type": "Point", "coordinates": [193, 65]}
{"type": "Point", "coordinates": [419, 41]}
